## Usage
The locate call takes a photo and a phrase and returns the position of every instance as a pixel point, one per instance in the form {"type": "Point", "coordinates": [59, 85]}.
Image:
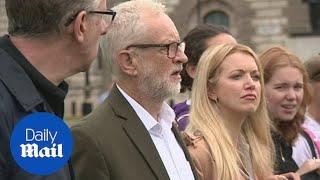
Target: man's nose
{"type": "Point", "coordinates": [181, 57]}
{"type": "Point", "coordinates": [104, 27]}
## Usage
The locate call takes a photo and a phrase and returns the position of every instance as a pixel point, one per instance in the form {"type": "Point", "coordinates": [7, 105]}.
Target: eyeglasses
{"type": "Point", "coordinates": [172, 48]}
{"type": "Point", "coordinates": [110, 15]}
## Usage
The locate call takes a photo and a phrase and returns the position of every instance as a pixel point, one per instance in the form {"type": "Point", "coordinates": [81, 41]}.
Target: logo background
{"type": "Point", "coordinates": [39, 122]}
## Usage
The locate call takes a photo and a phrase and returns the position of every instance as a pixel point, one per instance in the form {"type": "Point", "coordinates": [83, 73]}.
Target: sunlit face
{"type": "Point", "coordinates": [284, 93]}
{"type": "Point", "coordinates": [238, 89]}
{"type": "Point", "coordinates": [158, 74]}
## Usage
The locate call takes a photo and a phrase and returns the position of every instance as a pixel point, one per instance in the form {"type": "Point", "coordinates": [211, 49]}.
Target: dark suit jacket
{"type": "Point", "coordinates": [18, 97]}
{"type": "Point", "coordinates": [112, 143]}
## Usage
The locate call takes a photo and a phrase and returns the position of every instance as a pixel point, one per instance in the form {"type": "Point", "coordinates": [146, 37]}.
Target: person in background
{"type": "Point", "coordinates": [287, 92]}
{"type": "Point", "coordinates": [229, 133]}
{"type": "Point", "coordinates": [308, 143]}
{"type": "Point", "coordinates": [132, 135]}
{"type": "Point", "coordinates": [48, 41]}
{"type": "Point", "coordinates": [197, 41]}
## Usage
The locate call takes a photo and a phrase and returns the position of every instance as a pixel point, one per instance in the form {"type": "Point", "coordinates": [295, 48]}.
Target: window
{"type": "Point", "coordinates": [73, 108]}
{"type": "Point", "coordinates": [314, 6]}
{"type": "Point", "coordinates": [217, 17]}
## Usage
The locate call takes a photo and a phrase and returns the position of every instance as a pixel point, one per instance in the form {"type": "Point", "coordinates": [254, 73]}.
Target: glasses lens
{"type": "Point", "coordinates": [172, 50]}
{"type": "Point", "coordinates": [107, 18]}
{"type": "Point", "coordinates": [182, 46]}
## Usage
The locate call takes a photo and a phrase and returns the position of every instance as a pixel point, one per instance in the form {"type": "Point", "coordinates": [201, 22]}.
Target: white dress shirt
{"type": "Point", "coordinates": [171, 153]}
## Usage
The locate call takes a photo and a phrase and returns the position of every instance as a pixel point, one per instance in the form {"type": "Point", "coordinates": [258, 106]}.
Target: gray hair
{"type": "Point", "coordinates": [34, 18]}
{"type": "Point", "coordinates": [127, 28]}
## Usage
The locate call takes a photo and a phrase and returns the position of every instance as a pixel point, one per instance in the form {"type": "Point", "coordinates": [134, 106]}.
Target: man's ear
{"type": "Point", "coordinates": [191, 70]}
{"type": "Point", "coordinates": [80, 26]}
{"type": "Point", "coordinates": [127, 63]}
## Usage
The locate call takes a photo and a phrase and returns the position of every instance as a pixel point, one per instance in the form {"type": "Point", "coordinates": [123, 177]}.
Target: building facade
{"type": "Point", "coordinates": [260, 24]}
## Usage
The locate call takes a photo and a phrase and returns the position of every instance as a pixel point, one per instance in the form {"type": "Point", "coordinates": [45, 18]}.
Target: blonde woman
{"type": "Point", "coordinates": [229, 123]}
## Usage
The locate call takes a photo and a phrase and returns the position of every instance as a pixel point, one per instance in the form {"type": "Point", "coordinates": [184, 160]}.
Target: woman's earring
{"type": "Point", "coordinates": [213, 96]}
{"type": "Point", "coordinates": [215, 99]}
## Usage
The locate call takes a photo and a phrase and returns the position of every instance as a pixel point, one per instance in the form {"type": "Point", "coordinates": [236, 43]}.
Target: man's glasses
{"type": "Point", "coordinates": [108, 18]}
{"type": "Point", "coordinates": [172, 48]}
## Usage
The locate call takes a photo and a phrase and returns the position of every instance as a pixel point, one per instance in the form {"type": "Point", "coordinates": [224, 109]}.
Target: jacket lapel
{"type": "Point", "coordinates": [137, 133]}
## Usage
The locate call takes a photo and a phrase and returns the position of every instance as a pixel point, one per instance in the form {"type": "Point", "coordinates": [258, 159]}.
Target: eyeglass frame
{"type": "Point", "coordinates": [107, 12]}
{"type": "Point", "coordinates": [144, 46]}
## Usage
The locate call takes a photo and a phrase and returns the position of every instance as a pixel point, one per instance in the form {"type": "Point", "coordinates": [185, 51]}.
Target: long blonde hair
{"type": "Point", "coordinates": [205, 117]}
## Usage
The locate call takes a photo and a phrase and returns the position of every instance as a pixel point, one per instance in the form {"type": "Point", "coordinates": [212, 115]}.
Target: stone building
{"type": "Point", "coordinates": [260, 24]}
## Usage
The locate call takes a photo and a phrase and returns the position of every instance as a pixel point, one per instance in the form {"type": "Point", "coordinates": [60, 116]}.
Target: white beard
{"type": "Point", "coordinates": [157, 87]}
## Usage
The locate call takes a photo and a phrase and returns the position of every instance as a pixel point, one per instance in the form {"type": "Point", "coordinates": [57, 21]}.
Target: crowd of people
{"type": "Point", "coordinates": [248, 117]}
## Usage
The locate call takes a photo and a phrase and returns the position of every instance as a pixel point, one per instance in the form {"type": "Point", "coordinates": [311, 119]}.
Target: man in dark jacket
{"type": "Point", "coordinates": [47, 42]}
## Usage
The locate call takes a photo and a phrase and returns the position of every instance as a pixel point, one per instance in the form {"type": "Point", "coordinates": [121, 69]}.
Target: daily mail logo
{"type": "Point", "coordinates": [41, 143]}
{"type": "Point", "coordinates": [32, 150]}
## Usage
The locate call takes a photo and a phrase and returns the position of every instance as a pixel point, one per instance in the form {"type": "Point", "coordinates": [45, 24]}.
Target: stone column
{"type": "Point", "coordinates": [3, 18]}
{"type": "Point", "coordinates": [269, 22]}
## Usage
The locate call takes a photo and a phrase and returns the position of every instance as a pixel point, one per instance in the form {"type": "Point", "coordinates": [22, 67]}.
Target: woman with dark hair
{"type": "Point", "coordinates": [197, 41]}
{"type": "Point", "coordinates": [287, 93]}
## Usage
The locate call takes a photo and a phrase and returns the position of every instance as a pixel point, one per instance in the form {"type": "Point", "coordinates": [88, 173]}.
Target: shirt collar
{"type": "Point", "coordinates": [188, 102]}
{"type": "Point", "coordinates": [166, 115]}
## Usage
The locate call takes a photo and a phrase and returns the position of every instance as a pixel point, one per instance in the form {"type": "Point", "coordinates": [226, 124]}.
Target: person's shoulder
{"type": "Point", "coordinates": [311, 124]}
{"type": "Point", "coordinates": [192, 140]}
{"type": "Point", "coordinates": [200, 154]}
{"type": "Point", "coordinates": [8, 104]}
{"type": "Point", "coordinates": [301, 140]}
{"type": "Point", "coordinates": [10, 112]}
{"type": "Point", "coordinates": [6, 58]}
{"type": "Point", "coordinates": [301, 150]}
{"type": "Point", "coordinates": [100, 122]}
{"type": "Point", "coordinates": [3, 91]}
{"type": "Point", "coordinates": [181, 108]}
{"type": "Point", "coordinates": [196, 144]}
